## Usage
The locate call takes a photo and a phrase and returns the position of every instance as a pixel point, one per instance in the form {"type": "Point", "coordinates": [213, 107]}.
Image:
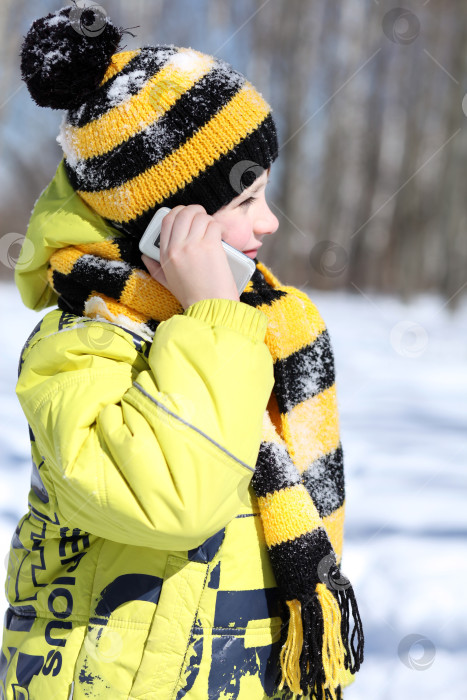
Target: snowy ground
{"type": "Point", "coordinates": [402, 390]}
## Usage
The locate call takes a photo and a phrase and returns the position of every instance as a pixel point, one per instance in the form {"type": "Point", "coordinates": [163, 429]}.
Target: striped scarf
{"type": "Point", "coordinates": [299, 478]}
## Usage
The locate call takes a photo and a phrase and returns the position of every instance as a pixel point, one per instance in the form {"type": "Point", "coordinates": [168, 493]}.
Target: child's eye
{"type": "Point", "coordinates": [248, 201]}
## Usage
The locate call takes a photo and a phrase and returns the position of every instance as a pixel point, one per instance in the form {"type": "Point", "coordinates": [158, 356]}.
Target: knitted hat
{"type": "Point", "coordinates": [158, 126]}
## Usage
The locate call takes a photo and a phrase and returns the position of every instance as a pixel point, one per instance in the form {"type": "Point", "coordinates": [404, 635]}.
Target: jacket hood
{"type": "Point", "coordinates": [60, 218]}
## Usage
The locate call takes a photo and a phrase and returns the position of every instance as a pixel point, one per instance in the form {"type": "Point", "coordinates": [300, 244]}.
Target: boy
{"type": "Point", "coordinates": [185, 518]}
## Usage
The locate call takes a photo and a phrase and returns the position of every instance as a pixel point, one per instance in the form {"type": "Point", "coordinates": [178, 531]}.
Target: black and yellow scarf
{"type": "Point", "coordinates": [299, 478]}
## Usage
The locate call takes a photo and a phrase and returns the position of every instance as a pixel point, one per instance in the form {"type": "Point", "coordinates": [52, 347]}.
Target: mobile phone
{"type": "Point", "coordinates": [241, 265]}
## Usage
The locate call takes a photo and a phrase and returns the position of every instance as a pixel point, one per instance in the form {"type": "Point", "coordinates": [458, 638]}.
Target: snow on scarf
{"type": "Point", "coordinates": [299, 477]}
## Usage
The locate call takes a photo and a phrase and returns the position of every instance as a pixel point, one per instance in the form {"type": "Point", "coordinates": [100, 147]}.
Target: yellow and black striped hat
{"type": "Point", "coordinates": [157, 126]}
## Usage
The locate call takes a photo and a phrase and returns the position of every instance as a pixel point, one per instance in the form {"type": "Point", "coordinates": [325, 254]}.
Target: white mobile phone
{"type": "Point", "coordinates": [241, 265]}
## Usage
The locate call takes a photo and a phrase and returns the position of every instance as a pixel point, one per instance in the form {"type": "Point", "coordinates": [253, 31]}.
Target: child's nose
{"type": "Point", "coordinates": [266, 223]}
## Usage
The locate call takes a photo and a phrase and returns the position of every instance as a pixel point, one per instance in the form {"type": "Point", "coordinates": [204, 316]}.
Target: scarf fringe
{"type": "Point", "coordinates": [354, 649]}
{"type": "Point", "coordinates": [292, 648]}
{"type": "Point", "coordinates": [318, 651]}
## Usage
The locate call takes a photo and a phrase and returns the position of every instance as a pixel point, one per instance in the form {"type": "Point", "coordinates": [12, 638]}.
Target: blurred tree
{"type": "Point", "coordinates": [9, 27]}
{"type": "Point", "coordinates": [452, 203]}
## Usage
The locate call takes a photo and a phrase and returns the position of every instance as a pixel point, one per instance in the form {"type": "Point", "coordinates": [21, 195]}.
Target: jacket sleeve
{"type": "Point", "coordinates": [159, 457]}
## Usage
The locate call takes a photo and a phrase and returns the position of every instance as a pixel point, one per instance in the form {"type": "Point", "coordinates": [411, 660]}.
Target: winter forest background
{"type": "Point", "coordinates": [370, 100]}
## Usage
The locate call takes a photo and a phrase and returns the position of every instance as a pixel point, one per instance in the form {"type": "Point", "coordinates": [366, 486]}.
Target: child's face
{"type": "Point", "coordinates": [246, 224]}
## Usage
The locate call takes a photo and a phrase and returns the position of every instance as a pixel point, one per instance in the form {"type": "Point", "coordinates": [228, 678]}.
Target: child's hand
{"type": "Point", "coordinates": [193, 264]}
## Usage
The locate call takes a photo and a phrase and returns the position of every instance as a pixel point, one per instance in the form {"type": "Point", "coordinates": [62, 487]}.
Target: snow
{"type": "Point", "coordinates": [404, 434]}
{"type": "Point", "coordinates": [55, 20]}
{"type": "Point", "coordinates": [95, 307]}
{"type": "Point", "coordinates": [124, 86]}
{"type": "Point", "coordinates": [402, 400]}
{"type": "Point", "coordinates": [55, 56]}
{"type": "Point", "coordinates": [68, 144]}
{"type": "Point", "coordinates": [186, 61]}
{"type": "Point", "coordinates": [61, 51]}
{"type": "Point", "coordinates": [325, 489]}
{"type": "Point", "coordinates": [284, 464]}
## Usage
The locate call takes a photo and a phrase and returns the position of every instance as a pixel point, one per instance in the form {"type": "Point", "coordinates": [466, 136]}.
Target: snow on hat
{"type": "Point", "coordinates": [158, 126]}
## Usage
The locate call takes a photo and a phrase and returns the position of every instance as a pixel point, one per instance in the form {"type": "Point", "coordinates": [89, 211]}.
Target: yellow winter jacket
{"type": "Point", "coordinates": [140, 569]}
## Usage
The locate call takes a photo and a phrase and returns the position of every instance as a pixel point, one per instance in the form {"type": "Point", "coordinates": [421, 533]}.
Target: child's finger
{"type": "Point", "coordinates": [154, 269]}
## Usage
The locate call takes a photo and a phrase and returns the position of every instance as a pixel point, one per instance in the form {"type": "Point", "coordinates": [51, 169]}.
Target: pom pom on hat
{"type": "Point", "coordinates": [65, 55]}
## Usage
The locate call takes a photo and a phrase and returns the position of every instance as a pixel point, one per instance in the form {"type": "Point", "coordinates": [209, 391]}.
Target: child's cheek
{"type": "Point", "coordinates": [236, 234]}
